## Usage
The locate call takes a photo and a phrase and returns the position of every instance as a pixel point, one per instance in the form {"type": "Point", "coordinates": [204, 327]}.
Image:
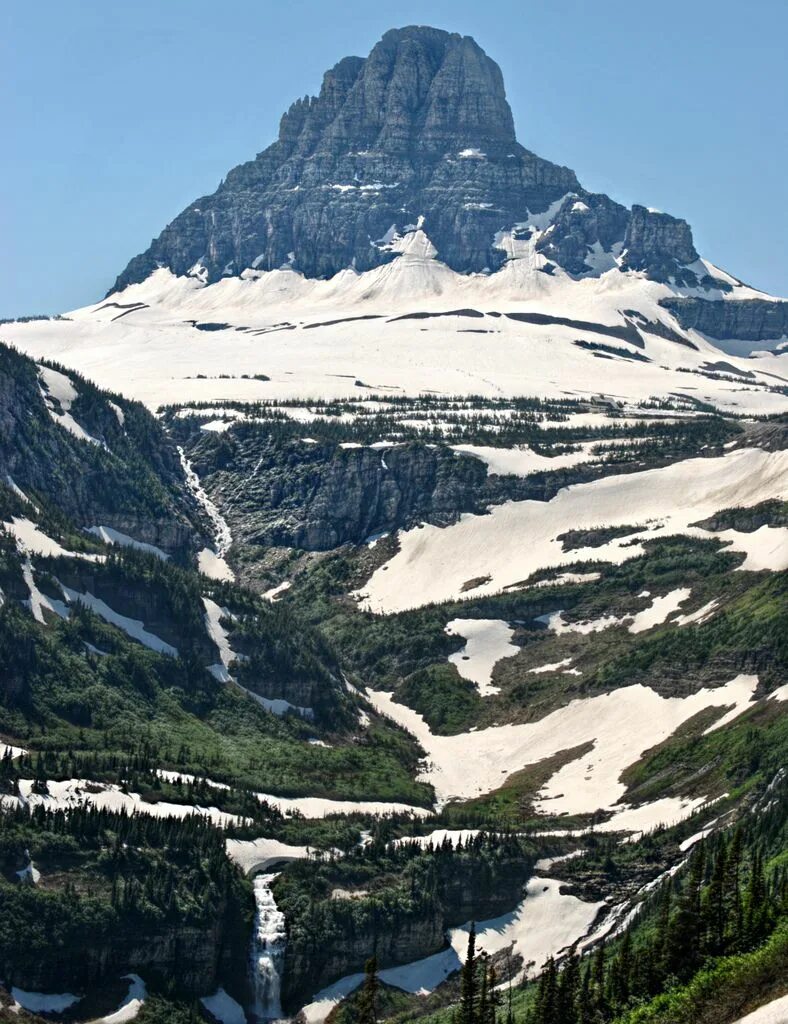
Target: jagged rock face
{"type": "Point", "coordinates": [129, 478]}
{"type": "Point", "coordinates": [749, 320]}
{"type": "Point", "coordinates": [317, 497]}
{"type": "Point", "coordinates": [580, 228]}
{"type": "Point", "coordinates": [420, 128]}
{"type": "Point", "coordinates": [656, 242]}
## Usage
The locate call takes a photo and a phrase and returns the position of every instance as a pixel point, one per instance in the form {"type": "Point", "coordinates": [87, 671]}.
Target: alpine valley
{"type": "Point", "coordinates": [393, 613]}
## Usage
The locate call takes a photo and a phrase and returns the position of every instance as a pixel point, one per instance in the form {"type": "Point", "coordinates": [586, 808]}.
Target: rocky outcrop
{"type": "Point", "coordinates": [751, 320]}
{"type": "Point", "coordinates": [189, 958]}
{"type": "Point", "coordinates": [583, 230]}
{"type": "Point", "coordinates": [339, 935]}
{"type": "Point", "coordinates": [660, 245]}
{"type": "Point", "coordinates": [127, 477]}
{"type": "Point", "coordinates": [420, 128]}
{"type": "Point", "coordinates": [317, 497]}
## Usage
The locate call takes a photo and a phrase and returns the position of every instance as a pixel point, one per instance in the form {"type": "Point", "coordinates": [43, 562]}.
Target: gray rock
{"type": "Point", "coordinates": [660, 245]}
{"type": "Point", "coordinates": [751, 320]}
{"type": "Point", "coordinates": [380, 146]}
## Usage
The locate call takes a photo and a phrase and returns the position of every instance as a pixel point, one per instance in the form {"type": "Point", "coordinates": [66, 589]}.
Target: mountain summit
{"type": "Point", "coordinates": [418, 131]}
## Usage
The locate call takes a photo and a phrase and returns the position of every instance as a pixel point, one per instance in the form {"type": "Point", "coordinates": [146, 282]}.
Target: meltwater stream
{"type": "Point", "coordinates": [268, 951]}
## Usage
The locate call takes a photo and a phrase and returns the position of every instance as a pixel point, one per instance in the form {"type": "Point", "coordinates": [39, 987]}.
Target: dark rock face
{"type": "Point", "coordinates": [130, 479]}
{"type": "Point", "coordinates": [658, 243]}
{"type": "Point", "coordinates": [580, 226]}
{"type": "Point", "coordinates": [398, 932]}
{"type": "Point", "coordinates": [420, 128]}
{"type": "Point", "coordinates": [750, 320]}
{"type": "Point", "coordinates": [317, 497]}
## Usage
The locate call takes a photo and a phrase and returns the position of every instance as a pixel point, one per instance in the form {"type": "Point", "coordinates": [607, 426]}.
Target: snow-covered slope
{"type": "Point", "coordinates": [408, 326]}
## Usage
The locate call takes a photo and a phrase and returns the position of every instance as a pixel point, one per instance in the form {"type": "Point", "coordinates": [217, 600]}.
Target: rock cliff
{"type": "Point", "coordinates": [420, 128]}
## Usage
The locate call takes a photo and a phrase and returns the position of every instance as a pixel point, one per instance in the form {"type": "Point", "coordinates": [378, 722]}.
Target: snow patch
{"type": "Point", "coordinates": [488, 641]}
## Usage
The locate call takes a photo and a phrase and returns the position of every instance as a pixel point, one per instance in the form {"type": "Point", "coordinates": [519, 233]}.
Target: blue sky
{"type": "Point", "coordinates": [117, 115]}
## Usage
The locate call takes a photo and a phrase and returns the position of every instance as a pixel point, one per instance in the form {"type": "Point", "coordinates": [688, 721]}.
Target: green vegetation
{"type": "Point", "coordinates": [100, 870]}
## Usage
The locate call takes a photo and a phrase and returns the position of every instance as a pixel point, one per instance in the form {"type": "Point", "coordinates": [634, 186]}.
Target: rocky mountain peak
{"type": "Point", "coordinates": [419, 131]}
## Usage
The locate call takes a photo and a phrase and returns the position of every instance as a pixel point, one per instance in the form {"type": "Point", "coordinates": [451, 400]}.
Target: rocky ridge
{"type": "Point", "coordinates": [420, 130]}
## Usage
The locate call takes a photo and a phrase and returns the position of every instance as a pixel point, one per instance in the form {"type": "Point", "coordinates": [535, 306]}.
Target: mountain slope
{"type": "Point", "coordinates": [441, 580]}
{"type": "Point", "coordinates": [420, 133]}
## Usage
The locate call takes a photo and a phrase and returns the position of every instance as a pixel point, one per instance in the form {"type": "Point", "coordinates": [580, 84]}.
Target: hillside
{"type": "Point", "coordinates": [398, 553]}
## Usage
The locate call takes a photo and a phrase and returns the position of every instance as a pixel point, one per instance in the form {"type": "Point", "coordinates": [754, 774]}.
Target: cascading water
{"type": "Point", "coordinates": [268, 951]}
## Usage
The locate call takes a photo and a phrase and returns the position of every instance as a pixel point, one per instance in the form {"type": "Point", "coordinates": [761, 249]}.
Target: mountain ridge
{"type": "Point", "coordinates": [419, 129]}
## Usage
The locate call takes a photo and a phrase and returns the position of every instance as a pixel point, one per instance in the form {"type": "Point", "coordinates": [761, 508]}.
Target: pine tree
{"type": "Point", "coordinates": [734, 922]}
{"type": "Point", "coordinates": [714, 902]}
{"type": "Point", "coordinates": [468, 981]}
{"type": "Point", "coordinates": [368, 1000]}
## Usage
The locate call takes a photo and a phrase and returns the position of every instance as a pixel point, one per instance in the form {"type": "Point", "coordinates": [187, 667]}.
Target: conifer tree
{"type": "Point", "coordinates": [468, 981]}
{"type": "Point", "coordinates": [368, 1000]}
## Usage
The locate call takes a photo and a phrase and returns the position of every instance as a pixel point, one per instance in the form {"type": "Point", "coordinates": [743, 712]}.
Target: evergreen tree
{"type": "Point", "coordinates": [368, 1000]}
{"type": "Point", "coordinates": [467, 1013]}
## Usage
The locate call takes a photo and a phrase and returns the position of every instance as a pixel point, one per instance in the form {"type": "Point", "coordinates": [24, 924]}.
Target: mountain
{"type": "Point", "coordinates": [420, 132]}
{"type": "Point", "coordinates": [354, 591]}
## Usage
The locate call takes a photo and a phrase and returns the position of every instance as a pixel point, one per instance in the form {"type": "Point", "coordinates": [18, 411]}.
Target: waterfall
{"type": "Point", "coordinates": [268, 950]}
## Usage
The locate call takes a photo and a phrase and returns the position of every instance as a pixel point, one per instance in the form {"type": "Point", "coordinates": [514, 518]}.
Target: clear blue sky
{"type": "Point", "coordinates": [117, 114]}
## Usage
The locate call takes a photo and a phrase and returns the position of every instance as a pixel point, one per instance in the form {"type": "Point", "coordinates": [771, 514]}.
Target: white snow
{"type": "Point", "coordinates": [19, 492]}
{"type": "Point", "coordinates": [766, 548]}
{"type": "Point", "coordinates": [699, 616]}
{"type": "Point", "coordinates": [73, 792]}
{"type": "Point", "coordinates": [278, 705]}
{"type": "Point", "coordinates": [522, 460]}
{"type": "Point", "coordinates": [659, 610]}
{"type": "Point", "coordinates": [774, 1012]}
{"type": "Point", "coordinates": [38, 602]}
{"type": "Point", "coordinates": [224, 1008]}
{"type": "Point", "coordinates": [621, 725]}
{"type": "Point", "coordinates": [176, 777]}
{"type": "Point", "coordinates": [6, 748]}
{"type": "Point", "coordinates": [119, 413]}
{"type": "Point", "coordinates": [112, 536]}
{"type": "Point", "coordinates": [40, 1002]}
{"type": "Point", "coordinates": [545, 863]}
{"type": "Point", "coordinates": [275, 592]}
{"type": "Point", "coordinates": [555, 623]}
{"type": "Point", "coordinates": [439, 836]}
{"type": "Point", "coordinates": [551, 666]}
{"type": "Point", "coordinates": [134, 628]}
{"type": "Point", "coordinates": [696, 838]}
{"type": "Point", "coordinates": [58, 393]}
{"type": "Point", "coordinates": [154, 354]}
{"type": "Point", "coordinates": [216, 631]}
{"type": "Point", "coordinates": [29, 873]}
{"type": "Point", "coordinates": [31, 540]}
{"type": "Point", "coordinates": [487, 642]}
{"type": "Point", "coordinates": [214, 567]}
{"type": "Point", "coordinates": [131, 1005]}
{"type": "Point", "coordinates": [515, 539]}
{"type": "Point", "coordinates": [253, 855]}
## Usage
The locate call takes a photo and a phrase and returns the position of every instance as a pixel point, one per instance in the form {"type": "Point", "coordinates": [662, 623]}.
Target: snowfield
{"type": "Point", "coordinates": [775, 1012]}
{"type": "Point", "coordinates": [309, 338]}
{"type": "Point", "coordinates": [73, 792]}
{"type": "Point", "coordinates": [487, 642]}
{"type": "Point", "coordinates": [620, 725]}
{"type": "Point", "coordinates": [545, 923]}
{"type": "Point", "coordinates": [434, 563]}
